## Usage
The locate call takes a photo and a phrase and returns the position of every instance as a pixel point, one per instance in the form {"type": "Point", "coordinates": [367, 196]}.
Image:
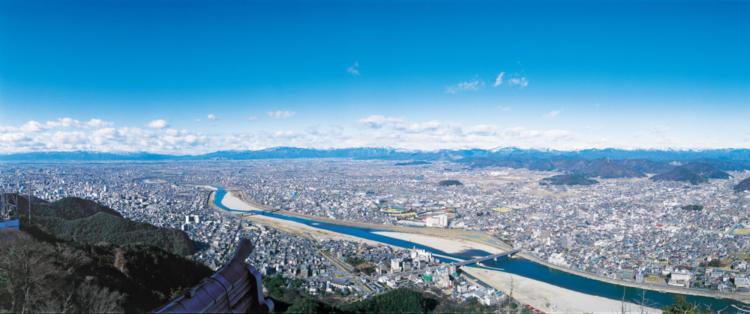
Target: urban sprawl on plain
{"type": "Point", "coordinates": [632, 229]}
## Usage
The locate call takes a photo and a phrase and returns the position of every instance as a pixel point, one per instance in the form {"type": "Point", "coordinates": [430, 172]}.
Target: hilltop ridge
{"type": "Point", "coordinates": [743, 186]}
{"type": "Point", "coordinates": [695, 173]}
{"type": "Point", "coordinates": [76, 271]}
{"type": "Point", "coordinates": [85, 221]}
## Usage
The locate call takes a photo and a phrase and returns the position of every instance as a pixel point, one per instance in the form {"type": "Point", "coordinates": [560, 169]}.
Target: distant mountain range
{"type": "Point", "coordinates": [590, 163]}
{"type": "Point", "coordinates": [728, 155]}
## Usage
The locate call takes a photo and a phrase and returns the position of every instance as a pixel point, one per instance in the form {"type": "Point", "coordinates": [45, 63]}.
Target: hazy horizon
{"type": "Point", "coordinates": [685, 153]}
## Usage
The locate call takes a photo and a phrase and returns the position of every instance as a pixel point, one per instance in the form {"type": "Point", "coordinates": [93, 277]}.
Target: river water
{"type": "Point", "coordinates": [517, 266]}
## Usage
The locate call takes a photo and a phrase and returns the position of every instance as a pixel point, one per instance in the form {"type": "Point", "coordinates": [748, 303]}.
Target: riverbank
{"type": "Point", "coordinates": [745, 298]}
{"type": "Point", "coordinates": [541, 295]}
{"type": "Point", "coordinates": [536, 293]}
{"type": "Point", "coordinates": [453, 246]}
{"type": "Point", "coordinates": [553, 299]}
{"type": "Point", "coordinates": [467, 235]}
{"type": "Point", "coordinates": [238, 205]}
{"type": "Point", "coordinates": [492, 245]}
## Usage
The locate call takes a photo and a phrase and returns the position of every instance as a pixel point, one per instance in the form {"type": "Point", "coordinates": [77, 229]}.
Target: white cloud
{"type": "Point", "coordinates": [548, 138]}
{"type": "Point", "coordinates": [35, 126]}
{"type": "Point", "coordinates": [63, 123]}
{"type": "Point", "coordinates": [483, 130]}
{"type": "Point", "coordinates": [381, 130]}
{"type": "Point", "coordinates": [286, 134]}
{"type": "Point", "coordinates": [32, 126]}
{"type": "Point", "coordinates": [499, 79]}
{"type": "Point", "coordinates": [12, 137]}
{"type": "Point", "coordinates": [67, 137]}
{"type": "Point", "coordinates": [211, 117]}
{"type": "Point", "coordinates": [67, 134]}
{"type": "Point", "coordinates": [97, 123]}
{"type": "Point", "coordinates": [552, 114]}
{"type": "Point", "coordinates": [520, 81]}
{"type": "Point", "coordinates": [513, 80]}
{"type": "Point", "coordinates": [353, 69]}
{"type": "Point", "coordinates": [158, 124]}
{"type": "Point", "coordinates": [100, 136]}
{"type": "Point", "coordinates": [504, 108]}
{"type": "Point", "coordinates": [7, 128]}
{"type": "Point", "coordinates": [370, 131]}
{"type": "Point", "coordinates": [378, 121]}
{"type": "Point", "coordinates": [466, 86]}
{"type": "Point", "coordinates": [281, 114]}
{"type": "Point", "coordinates": [252, 118]}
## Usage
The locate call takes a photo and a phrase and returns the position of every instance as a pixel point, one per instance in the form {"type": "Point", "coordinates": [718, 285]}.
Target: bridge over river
{"type": "Point", "coordinates": [518, 266]}
{"type": "Point", "coordinates": [486, 258]}
{"type": "Point", "coordinates": [457, 263]}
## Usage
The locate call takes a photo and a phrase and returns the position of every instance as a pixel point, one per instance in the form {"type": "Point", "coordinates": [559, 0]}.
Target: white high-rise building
{"type": "Point", "coordinates": [440, 221]}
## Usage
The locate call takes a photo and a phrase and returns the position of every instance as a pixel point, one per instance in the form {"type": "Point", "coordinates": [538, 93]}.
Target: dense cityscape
{"type": "Point", "coordinates": [176, 196]}
{"type": "Point", "coordinates": [636, 230]}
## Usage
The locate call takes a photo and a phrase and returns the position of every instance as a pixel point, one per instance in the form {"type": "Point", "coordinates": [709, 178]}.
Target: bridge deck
{"type": "Point", "coordinates": [457, 264]}
{"type": "Point", "coordinates": [485, 258]}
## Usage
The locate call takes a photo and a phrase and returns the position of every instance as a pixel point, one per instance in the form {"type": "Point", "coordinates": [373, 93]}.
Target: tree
{"type": "Point", "coordinates": [35, 277]}
{"type": "Point", "coordinates": [23, 269]}
{"type": "Point", "coordinates": [395, 301]}
{"type": "Point", "coordinates": [308, 305]}
{"type": "Point", "coordinates": [682, 306]}
{"type": "Point", "coordinates": [95, 299]}
{"type": "Point", "coordinates": [510, 303]}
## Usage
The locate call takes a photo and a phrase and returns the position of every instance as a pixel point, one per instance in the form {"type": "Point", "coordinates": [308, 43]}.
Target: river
{"type": "Point", "coordinates": [517, 266]}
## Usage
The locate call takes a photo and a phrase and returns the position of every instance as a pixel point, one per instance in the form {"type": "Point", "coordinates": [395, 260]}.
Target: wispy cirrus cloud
{"type": "Point", "coordinates": [552, 114]}
{"type": "Point", "coordinates": [281, 114]}
{"type": "Point", "coordinates": [511, 80]}
{"type": "Point", "coordinates": [475, 84]}
{"type": "Point", "coordinates": [518, 81]}
{"type": "Point", "coordinates": [499, 79]}
{"type": "Point", "coordinates": [465, 86]}
{"type": "Point", "coordinates": [353, 69]}
{"type": "Point", "coordinates": [378, 130]}
{"type": "Point", "coordinates": [504, 108]}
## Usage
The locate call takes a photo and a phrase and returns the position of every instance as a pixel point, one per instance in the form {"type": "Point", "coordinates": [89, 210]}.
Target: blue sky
{"type": "Point", "coordinates": [195, 76]}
